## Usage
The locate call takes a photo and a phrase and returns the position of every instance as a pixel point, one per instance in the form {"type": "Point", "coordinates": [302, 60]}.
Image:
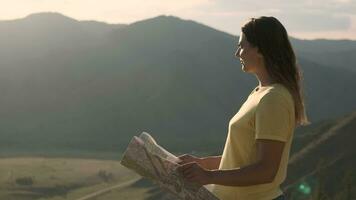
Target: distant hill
{"type": "Point", "coordinates": [344, 59]}
{"type": "Point", "coordinates": [68, 85]}
{"type": "Point", "coordinates": [333, 53]}
{"type": "Point", "coordinates": [323, 45]}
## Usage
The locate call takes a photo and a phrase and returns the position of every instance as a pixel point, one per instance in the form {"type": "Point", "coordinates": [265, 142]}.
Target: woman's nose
{"type": "Point", "coordinates": [237, 53]}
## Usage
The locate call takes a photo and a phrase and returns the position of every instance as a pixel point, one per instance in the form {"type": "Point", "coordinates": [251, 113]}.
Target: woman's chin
{"type": "Point", "coordinates": [245, 69]}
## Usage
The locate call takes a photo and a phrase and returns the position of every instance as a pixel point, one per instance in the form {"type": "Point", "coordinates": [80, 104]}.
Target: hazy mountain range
{"type": "Point", "coordinates": [85, 85]}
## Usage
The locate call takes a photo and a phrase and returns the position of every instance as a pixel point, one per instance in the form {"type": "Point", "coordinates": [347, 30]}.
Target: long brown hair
{"type": "Point", "coordinates": [271, 39]}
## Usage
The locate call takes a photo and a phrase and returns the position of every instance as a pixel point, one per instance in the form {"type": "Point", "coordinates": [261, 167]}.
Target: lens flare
{"type": "Point", "coordinates": [304, 188]}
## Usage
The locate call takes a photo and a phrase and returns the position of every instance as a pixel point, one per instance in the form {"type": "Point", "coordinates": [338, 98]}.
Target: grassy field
{"type": "Point", "coordinates": [67, 179]}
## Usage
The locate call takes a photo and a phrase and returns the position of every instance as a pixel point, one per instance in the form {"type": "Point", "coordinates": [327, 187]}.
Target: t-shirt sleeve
{"type": "Point", "coordinates": [273, 118]}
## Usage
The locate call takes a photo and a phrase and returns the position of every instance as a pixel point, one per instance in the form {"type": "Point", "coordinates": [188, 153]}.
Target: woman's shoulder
{"type": "Point", "coordinates": [278, 92]}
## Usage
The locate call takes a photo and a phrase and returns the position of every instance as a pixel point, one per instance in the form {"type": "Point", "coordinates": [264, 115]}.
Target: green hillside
{"type": "Point", "coordinates": [324, 159]}
{"type": "Point", "coordinates": [61, 178]}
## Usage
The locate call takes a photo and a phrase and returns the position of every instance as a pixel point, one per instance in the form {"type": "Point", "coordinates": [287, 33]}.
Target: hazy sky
{"type": "Point", "coordinates": [302, 18]}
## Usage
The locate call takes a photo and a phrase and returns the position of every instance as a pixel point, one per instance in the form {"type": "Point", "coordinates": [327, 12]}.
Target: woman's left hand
{"type": "Point", "coordinates": [193, 172]}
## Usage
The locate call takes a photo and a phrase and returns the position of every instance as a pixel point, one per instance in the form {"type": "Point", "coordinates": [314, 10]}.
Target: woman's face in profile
{"type": "Point", "coordinates": [248, 55]}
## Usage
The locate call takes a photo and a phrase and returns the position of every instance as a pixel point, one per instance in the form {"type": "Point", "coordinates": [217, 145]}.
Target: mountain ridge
{"type": "Point", "coordinates": [177, 78]}
{"type": "Point", "coordinates": [57, 15]}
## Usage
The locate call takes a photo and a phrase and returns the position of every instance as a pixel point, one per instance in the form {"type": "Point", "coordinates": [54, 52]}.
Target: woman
{"type": "Point", "coordinates": [255, 157]}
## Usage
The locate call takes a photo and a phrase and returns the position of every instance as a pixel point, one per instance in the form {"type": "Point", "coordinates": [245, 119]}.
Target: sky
{"type": "Point", "coordinates": [304, 19]}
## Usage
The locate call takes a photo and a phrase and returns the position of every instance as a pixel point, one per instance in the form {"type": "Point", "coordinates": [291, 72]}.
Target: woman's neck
{"type": "Point", "coordinates": [263, 77]}
{"type": "Point", "coordinates": [264, 81]}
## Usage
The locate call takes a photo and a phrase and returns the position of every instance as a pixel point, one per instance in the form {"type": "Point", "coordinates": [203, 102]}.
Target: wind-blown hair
{"type": "Point", "coordinates": [271, 39]}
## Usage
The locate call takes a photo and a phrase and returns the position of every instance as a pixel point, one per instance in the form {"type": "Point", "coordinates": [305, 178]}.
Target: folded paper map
{"type": "Point", "coordinates": [147, 158]}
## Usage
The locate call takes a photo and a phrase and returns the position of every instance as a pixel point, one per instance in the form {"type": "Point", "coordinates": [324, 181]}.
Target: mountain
{"type": "Point", "coordinates": [44, 34]}
{"type": "Point", "coordinates": [323, 45]}
{"type": "Point", "coordinates": [344, 59]}
{"type": "Point", "coordinates": [88, 86]}
{"type": "Point", "coordinates": [333, 53]}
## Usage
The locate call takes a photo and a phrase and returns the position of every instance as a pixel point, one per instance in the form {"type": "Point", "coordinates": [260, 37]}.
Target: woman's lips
{"type": "Point", "coordinates": [242, 62]}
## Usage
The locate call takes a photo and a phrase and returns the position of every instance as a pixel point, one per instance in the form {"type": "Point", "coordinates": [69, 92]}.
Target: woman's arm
{"type": "Point", "coordinates": [262, 171]}
{"type": "Point", "coordinates": [211, 162]}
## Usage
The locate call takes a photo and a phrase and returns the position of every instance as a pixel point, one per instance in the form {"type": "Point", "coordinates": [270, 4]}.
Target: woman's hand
{"type": "Point", "coordinates": [186, 158]}
{"type": "Point", "coordinates": [210, 163]}
{"type": "Point", "coordinates": [193, 172]}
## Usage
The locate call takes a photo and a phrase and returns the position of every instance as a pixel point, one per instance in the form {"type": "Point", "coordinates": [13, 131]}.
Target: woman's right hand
{"type": "Point", "coordinates": [186, 158]}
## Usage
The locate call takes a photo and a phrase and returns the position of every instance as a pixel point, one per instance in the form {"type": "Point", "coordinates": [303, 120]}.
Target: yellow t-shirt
{"type": "Point", "coordinates": [268, 113]}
